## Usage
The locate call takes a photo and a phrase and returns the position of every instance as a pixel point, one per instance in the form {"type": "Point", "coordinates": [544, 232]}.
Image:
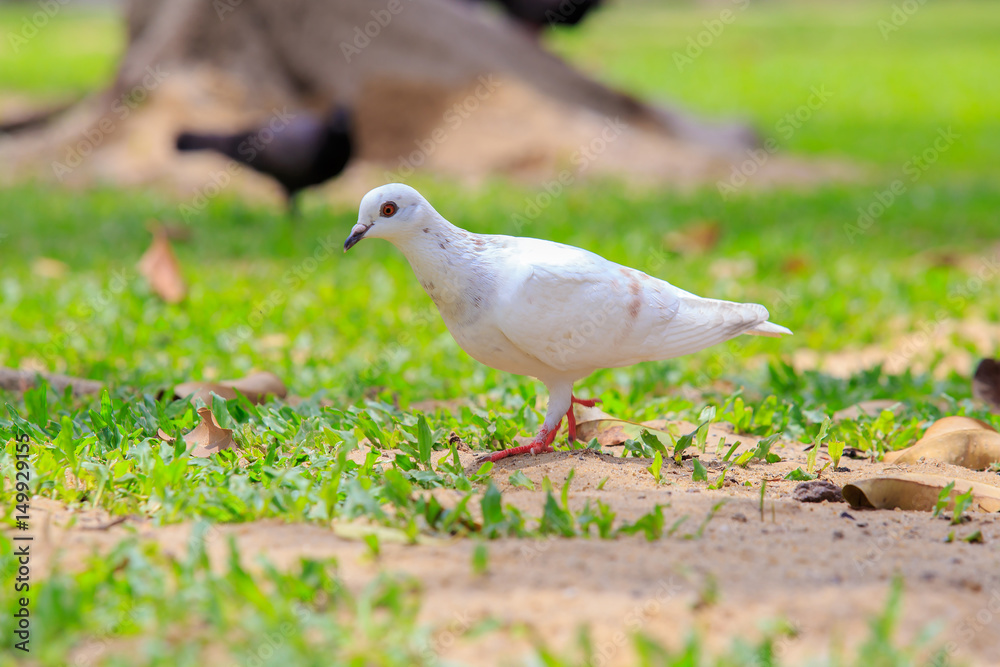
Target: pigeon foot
{"type": "Point", "coordinates": [540, 445]}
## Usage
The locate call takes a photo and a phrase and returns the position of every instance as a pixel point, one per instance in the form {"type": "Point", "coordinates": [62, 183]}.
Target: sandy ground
{"type": "Point", "coordinates": [824, 568]}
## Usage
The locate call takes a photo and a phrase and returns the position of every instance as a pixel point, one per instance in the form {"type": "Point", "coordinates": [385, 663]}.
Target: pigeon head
{"type": "Point", "coordinates": [389, 212]}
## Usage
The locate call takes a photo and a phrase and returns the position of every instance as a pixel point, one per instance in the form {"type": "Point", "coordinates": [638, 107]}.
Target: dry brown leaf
{"type": "Point", "coordinates": [177, 231]}
{"type": "Point", "coordinates": [972, 448]}
{"type": "Point", "coordinates": [986, 383]}
{"type": "Point", "coordinates": [698, 237]}
{"type": "Point", "coordinates": [46, 267]}
{"type": "Point", "coordinates": [955, 423]}
{"type": "Point", "coordinates": [961, 441]}
{"type": "Point", "coordinates": [870, 408]}
{"type": "Point", "coordinates": [611, 431]}
{"type": "Point", "coordinates": [795, 265]}
{"type": "Point", "coordinates": [207, 438]}
{"type": "Point", "coordinates": [160, 267]}
{"type": "Point", "coordinates": [918, 492]}
{"type": "Point", "coordinates": [256, 387]}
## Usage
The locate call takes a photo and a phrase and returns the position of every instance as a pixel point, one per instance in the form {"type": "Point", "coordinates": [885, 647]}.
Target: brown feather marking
{"type": "Point", "coordinates": [635, 303]}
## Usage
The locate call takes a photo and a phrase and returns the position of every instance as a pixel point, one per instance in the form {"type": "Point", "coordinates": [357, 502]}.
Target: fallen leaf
{"type": "Point", "coordinates": [917, 492]}
{"type": "Point", "coordinates": [870, 408]}
{"type": "Point", "coordinates": [795, 265]}
{"type": "Point", "coordinates": [698, 237]}
{"type": "Point", "coordinates": [975, 448]}
{"type": "Point", "coordinates": [611, 431]}
{"type": "Point", "coordinates": [207, 438]}
{"type": "Point", "coordinates": [12, 379]}
{"type": "Point", "coordinates": [175, 231]}
{"type": "Point", "coordinates": [46, 267]}
{"type": "Point", "coordinates": [256, 387]}
{"type": "Point", "coordinates": [160, 267]}
{"type": "Point", "coordinates": [955, 423]}
{"type": "Point", "coordinates": [986, 383]}
{"type": "Point", "coordinates": [943, 258]}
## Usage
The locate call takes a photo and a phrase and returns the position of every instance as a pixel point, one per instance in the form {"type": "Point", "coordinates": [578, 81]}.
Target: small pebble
{"type": "Point", "coordinates": [817, 491]}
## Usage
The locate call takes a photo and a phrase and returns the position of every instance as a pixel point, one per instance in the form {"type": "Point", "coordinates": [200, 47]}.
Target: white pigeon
{"type": "Point", "coordinates": [543, 309]}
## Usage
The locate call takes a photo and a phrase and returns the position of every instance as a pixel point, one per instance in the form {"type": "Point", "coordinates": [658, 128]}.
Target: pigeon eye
{"type": "Point", "coordinates": [389, 209]}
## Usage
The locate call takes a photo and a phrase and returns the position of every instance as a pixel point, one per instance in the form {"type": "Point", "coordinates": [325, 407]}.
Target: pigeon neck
{"type": "Point", "coordinates": [448, 262]}
{"type": "Point", "coordinates": [432, 249]}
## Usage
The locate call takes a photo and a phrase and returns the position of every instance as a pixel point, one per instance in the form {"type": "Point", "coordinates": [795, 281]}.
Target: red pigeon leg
{"type": "Point", "coordinates": [541, 444]}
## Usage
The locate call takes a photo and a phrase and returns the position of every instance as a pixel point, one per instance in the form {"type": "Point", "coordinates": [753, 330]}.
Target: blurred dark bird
{"type": "Point", "coordinates": [536, 15]}
{"type": "Point", "coordinates": [986, 383]}
{"type": "Point", "coordinates": [296, 149]}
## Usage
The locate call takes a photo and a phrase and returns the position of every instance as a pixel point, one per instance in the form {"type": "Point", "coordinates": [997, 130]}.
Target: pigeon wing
{"type": "Point", "coordinates": [576, 312]}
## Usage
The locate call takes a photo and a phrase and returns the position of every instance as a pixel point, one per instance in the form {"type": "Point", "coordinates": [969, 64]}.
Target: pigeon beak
{"type": "Point", "coordinates": [357, 233]}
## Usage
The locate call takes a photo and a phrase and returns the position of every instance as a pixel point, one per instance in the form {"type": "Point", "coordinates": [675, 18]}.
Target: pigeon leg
{"type": "Point", "coordinates": [560, 398]}
{"type": "Point", "coordinates": [541, 444]}
{"type": "Point", "coordinates": [571, 418]}
{"type": "Point", "coordinates": [292, 203]}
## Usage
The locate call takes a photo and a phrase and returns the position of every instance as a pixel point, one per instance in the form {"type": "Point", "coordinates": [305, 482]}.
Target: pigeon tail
{"type": "Point", "coordinates": [769, 329]}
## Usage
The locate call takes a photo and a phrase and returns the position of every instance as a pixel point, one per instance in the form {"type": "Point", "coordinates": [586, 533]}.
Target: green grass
{"type": "Point", "coordinates": [357, 331]}
{"type": "Point", "coordinates": [61, 51]}
{"type": "Point", "coordinates": [889, 95]}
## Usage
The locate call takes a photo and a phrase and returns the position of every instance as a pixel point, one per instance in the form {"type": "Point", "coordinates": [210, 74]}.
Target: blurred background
{"type": "Point", "coordinates": [836, 163]}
